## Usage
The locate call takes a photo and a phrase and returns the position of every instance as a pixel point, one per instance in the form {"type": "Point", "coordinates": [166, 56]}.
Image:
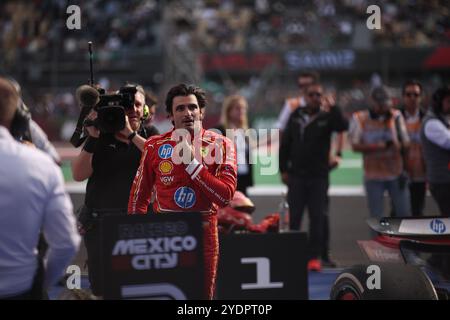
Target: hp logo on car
{"type": "Point", "coordinates": [437, 226]}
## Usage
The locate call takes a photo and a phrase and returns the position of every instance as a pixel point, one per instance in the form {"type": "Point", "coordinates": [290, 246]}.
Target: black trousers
{"type": "Point", "coordinates": [90, 219]}
{"type": "Point", "coordinates": [325, 251]}
{"type": "Point", "coordinates": [310, 193]}
{"type": "Point", "coordinates": [243, 182]}
{"type": "Point", "coordinates": [92, 242]}
{"type": "Point", "coordinates": [417, 191]}
{"type": "Point", "coordinates": [441, 193]}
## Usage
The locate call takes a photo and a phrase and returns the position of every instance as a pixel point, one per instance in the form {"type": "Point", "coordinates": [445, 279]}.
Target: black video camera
{"type": "Point", "coordinates": [111, 109]}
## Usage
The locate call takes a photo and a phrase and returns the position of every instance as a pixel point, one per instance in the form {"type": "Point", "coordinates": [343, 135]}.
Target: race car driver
{"type": "Point", "coordinates": [189, 169]}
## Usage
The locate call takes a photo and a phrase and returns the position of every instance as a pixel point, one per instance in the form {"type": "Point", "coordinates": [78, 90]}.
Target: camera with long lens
{"type": "Point", "coordinates": [111, 110]}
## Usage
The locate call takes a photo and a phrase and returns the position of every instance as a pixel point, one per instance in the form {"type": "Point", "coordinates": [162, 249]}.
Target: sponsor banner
{"type": "Point", "coordinates": [329, 60]}
{"type": "Point", "coordinates": [238, 61]}
{"type": "Point", "coordinates": [321, 60]}
{"type": "Point", "coordinates": [153, 256]}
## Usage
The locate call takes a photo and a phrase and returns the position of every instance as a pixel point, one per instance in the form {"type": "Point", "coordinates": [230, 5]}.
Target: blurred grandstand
{"type": "Point", "coordinates": [254, 47]}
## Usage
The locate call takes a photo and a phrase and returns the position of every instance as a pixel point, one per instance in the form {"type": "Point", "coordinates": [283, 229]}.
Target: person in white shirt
{"type": "Point", "coordinates": [435, 136]}
{"type": "Point", "coordinates": [32, 199]}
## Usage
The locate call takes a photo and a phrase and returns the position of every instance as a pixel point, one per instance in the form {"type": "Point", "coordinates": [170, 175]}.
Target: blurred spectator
{"type": "Point", "coordinates": [413, 157]}
{"type": "Point", "coordinates": [234, 117]}
{"type": "Point", "coordinates": [304, 165]}
{"type": "Point", "coordinates": [32, 199]}
{"type": "Point", "coordinates": [378, 133]}
{"type": "Point", "coordinates": [435, 136]}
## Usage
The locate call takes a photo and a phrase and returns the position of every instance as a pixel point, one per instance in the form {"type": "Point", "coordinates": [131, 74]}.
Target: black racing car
{"type": "Point", "coordinates": [408, 259]}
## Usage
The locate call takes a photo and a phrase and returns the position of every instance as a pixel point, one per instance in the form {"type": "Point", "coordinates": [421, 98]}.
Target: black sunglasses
{"type": "Point", "coordinates": [412, 94]}
{"type": "Point", "coordinates": [303, 85]}
{"type": "Point", "coordinates": [312, 94]}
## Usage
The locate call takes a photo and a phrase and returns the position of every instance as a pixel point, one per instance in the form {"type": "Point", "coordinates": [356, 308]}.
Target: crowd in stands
{"type": "Point", "coordinates": [226, 25]}
{"type": "Point", "coordinates": [38, 29]}
{"type": "Point", "coordinates": [273, 25]}
{"type": "Point", "coordinates": [39, 26]}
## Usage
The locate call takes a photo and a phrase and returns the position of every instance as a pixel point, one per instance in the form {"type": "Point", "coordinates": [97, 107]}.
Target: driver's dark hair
{"type": "Point", "coordinates": [185, 90]}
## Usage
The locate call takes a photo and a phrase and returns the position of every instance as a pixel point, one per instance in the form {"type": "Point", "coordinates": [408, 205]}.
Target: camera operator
{"type": "Point", "coordinates": [379, 134]}
{"type": "Point", "coordinates": [109, 161]}
{"type": "Point", "coordinates": [435, 136]}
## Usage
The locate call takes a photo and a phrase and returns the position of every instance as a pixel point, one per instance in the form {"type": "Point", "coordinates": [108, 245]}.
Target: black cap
{"type": "Point", "coordinates": [380, 95]}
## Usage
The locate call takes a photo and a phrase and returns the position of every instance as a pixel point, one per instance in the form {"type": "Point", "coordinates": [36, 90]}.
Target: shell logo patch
{"type": "Point", "coordinates": [165, 167]}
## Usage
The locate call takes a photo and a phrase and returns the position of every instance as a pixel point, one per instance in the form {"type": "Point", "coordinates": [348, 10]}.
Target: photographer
{"type": "Point", "coordinates": [26, 130]}
{"type": "Point", "coordinates": [435, 136]}
{"type": "Point", "coordinates": [110, 162]}
{"type": "Point", "coordinates": [32, 200]}
{"type": "Point", "coordinates": [379, 134]}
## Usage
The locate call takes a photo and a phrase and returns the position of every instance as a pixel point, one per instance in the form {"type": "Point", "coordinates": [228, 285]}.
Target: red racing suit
{"type": "Point", "coordinates": [204, 184]}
